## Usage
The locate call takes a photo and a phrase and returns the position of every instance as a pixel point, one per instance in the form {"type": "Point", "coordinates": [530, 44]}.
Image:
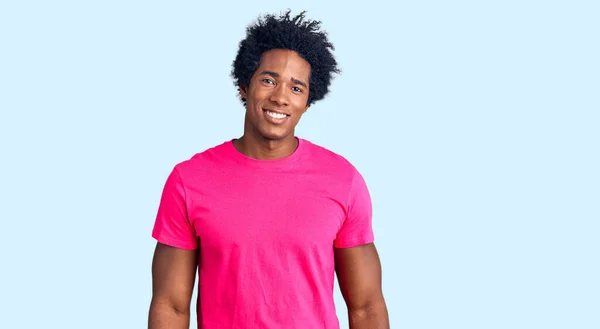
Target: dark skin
{"type": "Point", "coordinates": [281, 85]}
{"type": "Point", "coordinates": [359, 275]}
{"type": "Point", "coordinates": [173, 277]}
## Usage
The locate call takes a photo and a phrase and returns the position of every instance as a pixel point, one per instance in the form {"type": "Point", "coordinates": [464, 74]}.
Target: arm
{"type": "Point", "coordinates": [359, 275]}
{"type": "Point", "coordinates": [173, 276]}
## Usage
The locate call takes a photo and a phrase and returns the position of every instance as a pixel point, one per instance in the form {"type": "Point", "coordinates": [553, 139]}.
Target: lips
{"type": "Point", "coordinates": [276, 113]}
{"type": "Point", "coordinates": [275, 117]}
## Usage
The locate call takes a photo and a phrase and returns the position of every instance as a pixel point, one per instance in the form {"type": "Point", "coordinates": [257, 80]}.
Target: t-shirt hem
{"type": "Point", "coordinates": [354, 242]}
{"type": "Point", "coordinates": [174, 242]}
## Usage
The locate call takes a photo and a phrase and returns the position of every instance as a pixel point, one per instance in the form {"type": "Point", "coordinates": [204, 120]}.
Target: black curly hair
{"type": "Point", "coordinates": [292, 33]}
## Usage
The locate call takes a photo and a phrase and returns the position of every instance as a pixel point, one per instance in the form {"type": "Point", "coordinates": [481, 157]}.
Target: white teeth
{"type": "Point", "coordinates": [276, 115]}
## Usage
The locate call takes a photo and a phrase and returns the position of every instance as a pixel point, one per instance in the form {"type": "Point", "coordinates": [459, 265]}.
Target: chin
{"type": "Point", "coordinates": [273, 135]}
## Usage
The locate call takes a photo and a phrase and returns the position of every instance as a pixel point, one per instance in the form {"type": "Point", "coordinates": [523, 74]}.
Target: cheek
{"type": "Point", "coordinates": [299, 104]}
{"type": "Point", "coordinates": [301, 108]}
{"type": "Point", "coordinates": [298, 116]}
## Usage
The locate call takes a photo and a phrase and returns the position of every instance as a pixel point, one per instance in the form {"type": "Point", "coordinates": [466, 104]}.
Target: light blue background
{"type": "Point", "coordinates": [475, 124]}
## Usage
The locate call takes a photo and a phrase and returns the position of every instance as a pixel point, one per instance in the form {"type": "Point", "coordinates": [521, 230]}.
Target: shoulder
{"type": "Point", "coordinates": [212, 157]}
{"type": "Point", "coordinates": [327, 158]}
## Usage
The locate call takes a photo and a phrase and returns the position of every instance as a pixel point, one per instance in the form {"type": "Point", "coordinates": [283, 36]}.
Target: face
{"type": "Point", "coordinates": [277, 95]}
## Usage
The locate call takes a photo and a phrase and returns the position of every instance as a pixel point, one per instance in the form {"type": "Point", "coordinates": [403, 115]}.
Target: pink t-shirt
{"type": "Point", "coordinates": [266, 230]}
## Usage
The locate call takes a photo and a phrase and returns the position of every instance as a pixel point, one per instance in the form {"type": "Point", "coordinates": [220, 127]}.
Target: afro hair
{"type": "Point", "coordinates": [291, 33]}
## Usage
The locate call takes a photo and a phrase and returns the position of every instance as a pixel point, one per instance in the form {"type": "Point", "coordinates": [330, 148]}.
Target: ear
{"type": "Point", "coordinates": [243, 93]}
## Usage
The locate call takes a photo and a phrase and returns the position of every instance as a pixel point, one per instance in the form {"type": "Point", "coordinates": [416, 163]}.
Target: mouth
{"type": "Point", "coordinates": [278, 116]}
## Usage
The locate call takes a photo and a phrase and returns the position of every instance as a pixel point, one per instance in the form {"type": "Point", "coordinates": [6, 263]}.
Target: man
{"type": "Point", "coordinates": [268, 218]}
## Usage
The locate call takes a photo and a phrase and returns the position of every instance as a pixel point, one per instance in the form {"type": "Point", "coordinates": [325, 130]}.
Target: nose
{"type": "Point", "coordinates": [279, 96]}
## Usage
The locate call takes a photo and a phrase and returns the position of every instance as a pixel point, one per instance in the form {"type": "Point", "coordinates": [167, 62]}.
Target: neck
{"type": "Point", "coordinates": [264, 149]}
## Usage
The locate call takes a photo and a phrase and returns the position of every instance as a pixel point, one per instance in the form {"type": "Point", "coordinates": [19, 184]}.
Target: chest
{"type": "Point", "coordinates": [252, 211]}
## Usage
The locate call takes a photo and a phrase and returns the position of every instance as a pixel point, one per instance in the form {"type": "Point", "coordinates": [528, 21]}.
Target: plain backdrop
{"type": "Point", "coordinates": [474, 123]}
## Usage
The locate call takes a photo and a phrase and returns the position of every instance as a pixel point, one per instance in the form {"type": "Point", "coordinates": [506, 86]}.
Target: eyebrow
{"type": "Point", "coordinates": [276, 75]}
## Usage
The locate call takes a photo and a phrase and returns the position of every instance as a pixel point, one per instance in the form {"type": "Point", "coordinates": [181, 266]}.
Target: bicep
{"type": "Point", "coordinates": [359, 275]}
{"type": "Point", "coordinates": [173, 275]}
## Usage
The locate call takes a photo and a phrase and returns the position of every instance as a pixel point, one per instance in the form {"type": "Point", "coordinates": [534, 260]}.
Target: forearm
{"type": "Point", "coordinates": [165, 316]}
{"type": "Point", "coordinates": [371, 317]}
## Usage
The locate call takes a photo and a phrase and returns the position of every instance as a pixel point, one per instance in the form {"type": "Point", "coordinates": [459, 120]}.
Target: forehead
{"type": "Point", "coordinates": [285, 62]}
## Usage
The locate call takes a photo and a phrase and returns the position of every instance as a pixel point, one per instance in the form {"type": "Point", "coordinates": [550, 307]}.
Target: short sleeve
{"type": "Point", "coordinates": [172, 226]}
{"type": "Point", "coordinates": [357, 227]}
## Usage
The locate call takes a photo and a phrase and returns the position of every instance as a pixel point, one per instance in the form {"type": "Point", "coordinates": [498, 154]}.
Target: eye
{"type": "Point", "coordinates": [296, 89]}
{"type": "Point", "coordinates": [267, 80]}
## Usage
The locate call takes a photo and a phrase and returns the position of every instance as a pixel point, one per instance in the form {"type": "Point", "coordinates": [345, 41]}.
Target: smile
{"type": "Point", "coordinates": [275, 115]}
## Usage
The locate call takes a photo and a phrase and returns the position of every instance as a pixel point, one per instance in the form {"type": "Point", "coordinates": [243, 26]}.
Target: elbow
{"type": "Point", "coordinates": [166, 314]}
{"type": "Point", "coordinates": [373, 314]}
{"type": "Point", "coordinates": [368, 308]}
{"type": "Point", "coordinates": [165, 305]}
